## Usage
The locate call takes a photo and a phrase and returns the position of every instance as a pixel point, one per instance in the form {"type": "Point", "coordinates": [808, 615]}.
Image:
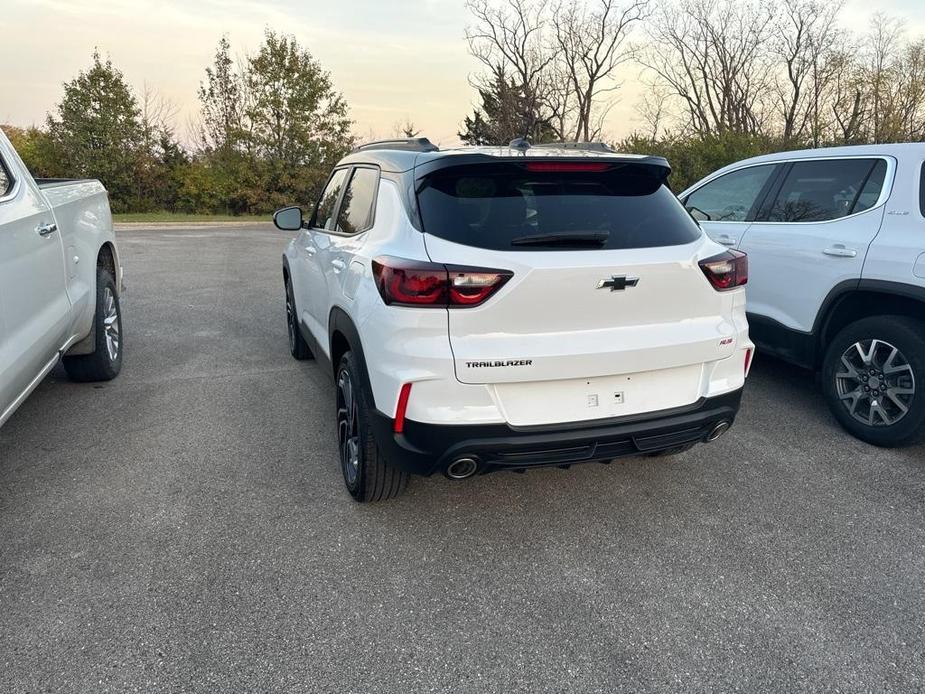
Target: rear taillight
{"type": "Point", "coordinates": [404, 282]}
{"type": "Point", "coordinates": [748, 360]}
{"type": "Point", "coordinates": [727, 270]}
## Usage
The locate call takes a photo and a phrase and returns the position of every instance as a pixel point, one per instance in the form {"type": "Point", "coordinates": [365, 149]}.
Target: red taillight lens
{"type": "Point", "coordinates": [727, 270]}
{"type": "Point", "coordinates": [410, 283]}
{"type": "Point", "coordinates": [418, 283]}
{"type": "Point", "coordinates": [748, 360]}
{"type": "Point", "coordinates": [402, 408]}
{"type": "Point", "coordinates": [567, 166]}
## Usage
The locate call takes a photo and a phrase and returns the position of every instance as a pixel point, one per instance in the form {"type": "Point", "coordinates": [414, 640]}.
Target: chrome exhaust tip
{"type": "Point", "coordinates": [461, 468]}
{"type": "Point", "coordinates": [718, 430]}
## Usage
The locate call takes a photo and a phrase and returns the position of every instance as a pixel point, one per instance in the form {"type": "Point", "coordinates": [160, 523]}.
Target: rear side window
{"type": "Point", "coordinates": [817, 191]}
{"type": "Point", "coordinates": [356, 209]}
{"type": "Point", "coordinates": [323, 218]}
{"type": "Point", "coordinates": [508, 207]}
{"type": "Point", "coordinates": [6, 181]}
{"type": "Point", "coordinates": [730, 197]}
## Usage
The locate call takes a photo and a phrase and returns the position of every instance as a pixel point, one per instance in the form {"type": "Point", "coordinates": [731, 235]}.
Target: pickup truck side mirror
{"type": "Point", "coordinates": [288, 219]}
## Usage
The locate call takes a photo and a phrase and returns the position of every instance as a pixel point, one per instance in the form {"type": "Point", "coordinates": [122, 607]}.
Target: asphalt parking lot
{"type": "Point", "coordinates": [185, 528]}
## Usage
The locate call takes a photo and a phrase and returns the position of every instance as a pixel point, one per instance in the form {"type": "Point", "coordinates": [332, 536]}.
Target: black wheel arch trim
{"type": "Point", "coordinates": [805, 348]}
{"type": "Point", "coordinates": [340, 322]}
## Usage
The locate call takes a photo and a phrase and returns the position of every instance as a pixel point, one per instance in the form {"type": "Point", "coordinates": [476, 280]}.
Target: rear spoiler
{"type": "Point", "coordinates": [656, 167]}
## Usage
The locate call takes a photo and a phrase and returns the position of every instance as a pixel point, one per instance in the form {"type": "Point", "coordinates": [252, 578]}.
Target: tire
{"type": "Point", "coordinates": [876, 394]}
{"type": "Point", "coordinates": [105, 363]}
{"type": "Point", "coordinates": [298, 347]}
{"type": "Point", "coordinates": [367, 475]}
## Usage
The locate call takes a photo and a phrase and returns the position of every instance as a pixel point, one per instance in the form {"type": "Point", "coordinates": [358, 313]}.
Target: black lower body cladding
{"type": "Point", "coordinates": [424, 449]}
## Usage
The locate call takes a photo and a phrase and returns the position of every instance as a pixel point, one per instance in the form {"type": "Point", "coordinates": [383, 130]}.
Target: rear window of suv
{"type": "Point", "coordinates": [508, 207]}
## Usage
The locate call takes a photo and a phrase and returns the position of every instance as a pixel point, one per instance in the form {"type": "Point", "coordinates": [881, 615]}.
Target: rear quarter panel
{"type": "Point", "coordinates": [85, 222]}
{"type": "Point", "coordinates": [897, 254]}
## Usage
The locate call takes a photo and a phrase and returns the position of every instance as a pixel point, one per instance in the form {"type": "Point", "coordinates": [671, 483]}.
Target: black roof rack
{"type": "Point", "coordinates": [584, 146]}
{"type": "Point", "coordinates": [411, 144]}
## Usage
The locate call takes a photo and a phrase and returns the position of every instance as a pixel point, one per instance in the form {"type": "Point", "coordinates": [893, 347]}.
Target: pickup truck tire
{"type": "Point", "coordinates": [873, 377]}
{"type": "Point", "coordinates": [298, 347]}
{"type": "Point", "coordinates": [105, 362]}
{"type": "Point", "coordinates": [366, 473]}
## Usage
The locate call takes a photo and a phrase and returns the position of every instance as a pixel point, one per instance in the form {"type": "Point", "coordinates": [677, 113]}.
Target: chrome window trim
{"type": "Point", "coordinates": [888, 180]}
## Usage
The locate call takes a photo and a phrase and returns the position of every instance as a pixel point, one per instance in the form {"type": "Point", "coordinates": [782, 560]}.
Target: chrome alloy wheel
{"type": "Point", "coordinates": [111, 324]}
{"type": "Point", "coordinates": [348, 425]}
{"type": "Point", "coordinates": [875, 383]}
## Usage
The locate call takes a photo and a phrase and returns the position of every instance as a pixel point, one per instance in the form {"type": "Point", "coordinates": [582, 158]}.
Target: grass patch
{"type": "Point", "coordinates": [183, 218]}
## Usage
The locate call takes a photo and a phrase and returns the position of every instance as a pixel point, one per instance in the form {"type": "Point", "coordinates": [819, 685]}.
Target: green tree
{"type": "Point", "coordinates": [221, 102]}
{"type": "Point", "coordinates": [505, 113]}
{"type": "Point", "coordinates": [96, 131]}
{"type": "Point", "coordinates": [272, 129]}
{"type": "Point", "coordinates": [36, 149]}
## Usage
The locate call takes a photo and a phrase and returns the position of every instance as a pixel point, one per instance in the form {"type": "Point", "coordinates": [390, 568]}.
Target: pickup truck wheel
{"type": "Point", "coordinates": [298, 347]}
{"type": "Point", "coordinates": [366, 473]}
{"type": "Point", "coordinates": [874, 380]}
{"type": "Point", "coordinates": [105, 362]}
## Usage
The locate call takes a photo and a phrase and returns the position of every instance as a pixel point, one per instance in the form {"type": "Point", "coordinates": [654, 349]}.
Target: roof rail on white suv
{"type": "Point", "coordinates": [504, 308]}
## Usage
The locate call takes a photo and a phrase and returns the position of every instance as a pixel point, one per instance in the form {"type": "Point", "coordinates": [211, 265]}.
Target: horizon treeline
{"type": "Point", "coordinates": [722, 80]}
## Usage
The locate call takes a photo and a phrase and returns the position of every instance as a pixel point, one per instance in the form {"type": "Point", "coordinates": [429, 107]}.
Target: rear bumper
{"type": "Point", "coordinates": [424, 449]}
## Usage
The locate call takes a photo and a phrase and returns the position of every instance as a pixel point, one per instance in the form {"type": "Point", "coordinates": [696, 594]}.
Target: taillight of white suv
{"type": "Point", "coordinates": [727, 270]}
{"type": "Point", "coordinates": [403, 282]}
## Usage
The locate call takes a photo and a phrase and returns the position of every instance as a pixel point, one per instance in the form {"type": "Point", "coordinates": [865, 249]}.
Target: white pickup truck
{"type": "Point", "coordinates": [60, 281]}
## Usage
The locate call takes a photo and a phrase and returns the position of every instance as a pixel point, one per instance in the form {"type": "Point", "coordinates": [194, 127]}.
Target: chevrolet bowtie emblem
{"type": "Point", "coordinates": [618, 283]}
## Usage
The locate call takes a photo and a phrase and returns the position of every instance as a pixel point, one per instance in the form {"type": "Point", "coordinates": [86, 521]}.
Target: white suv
{"type": "Point", "coordinates": [511, 307]}
{"type": "Point", "coordinates": [836, 240]}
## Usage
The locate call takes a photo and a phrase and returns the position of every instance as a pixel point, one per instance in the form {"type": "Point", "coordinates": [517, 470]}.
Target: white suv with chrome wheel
{"type": "Point", "coordinates": [511, 307]}
{"type": "Point", "coordinates": [836, 243]}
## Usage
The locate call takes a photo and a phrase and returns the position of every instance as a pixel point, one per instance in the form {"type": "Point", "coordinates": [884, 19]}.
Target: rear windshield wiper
{"type": "Point", "coordinates": [598, 238]}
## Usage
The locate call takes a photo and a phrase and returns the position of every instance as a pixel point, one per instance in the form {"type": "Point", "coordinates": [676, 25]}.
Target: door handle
{"type": "Point", "coordinates": [338, 264]}
{"type": "Point", "coordinates": [839, 251]}
{"type": "Point", "coordinates": [726, 240]}
{"type": "Point", "coordinates": [46, 229]}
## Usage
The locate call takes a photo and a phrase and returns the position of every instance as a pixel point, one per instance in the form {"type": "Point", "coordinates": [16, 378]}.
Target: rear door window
{"type": "Point", "coordinates": [356, 209]}
{"type": "Point", "coordinates": [323, 218]}
{"type": "Point", "coordinates": [821, 190]}
{"type": "Point", "coordinates": [510, 207]}
{"type": "Point", "coordinates": [730, 197]}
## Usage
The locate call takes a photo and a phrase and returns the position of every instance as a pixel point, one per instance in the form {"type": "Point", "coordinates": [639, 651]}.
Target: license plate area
{"type": "Point", "coordinates": [576, 400]}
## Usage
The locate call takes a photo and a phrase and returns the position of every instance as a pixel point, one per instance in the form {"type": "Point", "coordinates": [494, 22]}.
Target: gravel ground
{"type": "Point", "coordinates": [185, 528]}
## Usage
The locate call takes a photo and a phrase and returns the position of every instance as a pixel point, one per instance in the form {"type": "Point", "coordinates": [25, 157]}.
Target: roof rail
{"type": "Point", "coordinates": [583, 146]}
{"type": "Point", "coordinates": [410, 144]}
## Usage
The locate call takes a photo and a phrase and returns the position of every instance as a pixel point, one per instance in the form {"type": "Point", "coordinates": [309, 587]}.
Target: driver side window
{"type": "Point", "coordinates": [729, 197]}
{"type": "Point", "coordinates": [324, 218]}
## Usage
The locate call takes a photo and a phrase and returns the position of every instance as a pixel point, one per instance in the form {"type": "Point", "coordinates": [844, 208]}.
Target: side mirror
{"type": "Point", "coordinates": [288, 219]}
{"type": "Point", "coordinates": [698, 214]}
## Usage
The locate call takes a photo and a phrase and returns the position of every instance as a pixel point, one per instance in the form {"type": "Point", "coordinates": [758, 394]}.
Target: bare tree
{"type": "Point", "coordinates": [508, 39]}
{"type": "Point", "coordinates": [405, 128]}
{"type": "Point", "coordinates": [806, 36]}
{"type": "Point", "coordinates": [713, 55]}
{"type": "Point", "coordinates": [592, 44]}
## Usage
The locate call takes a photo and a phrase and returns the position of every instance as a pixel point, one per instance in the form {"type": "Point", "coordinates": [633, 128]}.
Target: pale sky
{"type": "Point", "coordinates": [392, 59]}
